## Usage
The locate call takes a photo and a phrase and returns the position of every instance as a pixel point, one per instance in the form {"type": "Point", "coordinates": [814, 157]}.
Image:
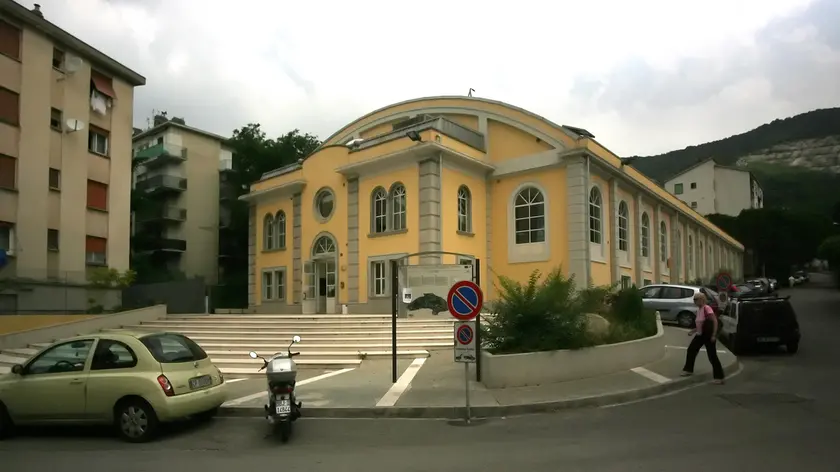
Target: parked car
{"type": "Point", "coordinates": [133, 381]}
{"type": "Point", "coordinates": [753, 321]}
{"type": "Point", "coordinates": [801, 274]}
{"type": "Point", "coordinates": [675, 303]}
{"type": "Point", "coordinates": [760, 284]}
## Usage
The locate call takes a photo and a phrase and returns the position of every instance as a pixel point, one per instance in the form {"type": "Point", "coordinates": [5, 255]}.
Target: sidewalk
{"type": "Point", "coordinates": [434, 388]}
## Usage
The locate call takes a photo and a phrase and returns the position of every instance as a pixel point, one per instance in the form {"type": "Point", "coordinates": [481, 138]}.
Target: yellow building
{"type": "Point", "coordinates": [467, 176]}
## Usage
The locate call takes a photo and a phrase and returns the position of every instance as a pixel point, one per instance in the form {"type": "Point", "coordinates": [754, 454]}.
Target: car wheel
{"type": "Point", "coordinates": [207, 415]}
{"type": "Point", "coordinates": [6, 425]}
{"type": "Point", "coordinates": [792, 347]}
{"type": "Point", "coordinates": [136, 421]}
{"type": "Point", "coordinates": [686, 319]}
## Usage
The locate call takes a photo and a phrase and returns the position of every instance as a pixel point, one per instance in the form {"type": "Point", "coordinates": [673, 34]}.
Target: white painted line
{"type": "Point", "coordinates": [254, 396]}
{"type": "Point", "coordinates": [651, 375]}
{"type": "Point", "coordinates": [393, 394]}
{"type": "Point", "coordinates": [230, 381]}
{"type": "Point", "coordinates": [684, 348]}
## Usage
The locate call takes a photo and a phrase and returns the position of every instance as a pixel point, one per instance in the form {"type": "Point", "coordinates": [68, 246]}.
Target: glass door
{"type": "Point", "coordinates": [309, 302]}
{"type": "Point", "coordinates": [331, 282]}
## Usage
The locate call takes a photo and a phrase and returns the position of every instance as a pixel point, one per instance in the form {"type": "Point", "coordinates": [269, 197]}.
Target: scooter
{"type": "Point", "coordinates": [281, 374]}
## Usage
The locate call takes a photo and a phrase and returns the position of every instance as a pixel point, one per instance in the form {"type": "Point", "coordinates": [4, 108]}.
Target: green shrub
{"type": "Point", "coordinates": [628, 317]}
{"type": "Point", "coordinates": [544, 314]}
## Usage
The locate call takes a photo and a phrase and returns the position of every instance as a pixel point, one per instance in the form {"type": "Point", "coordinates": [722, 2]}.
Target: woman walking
{"type": "Point", "coordinates": [705, 334]}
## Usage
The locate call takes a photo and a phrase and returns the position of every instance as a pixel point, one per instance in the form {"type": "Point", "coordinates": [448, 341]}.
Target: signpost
{"type": "Point", "coordinates": [724, 281]}
{"type": "Point", "coordinates": [464, 300]}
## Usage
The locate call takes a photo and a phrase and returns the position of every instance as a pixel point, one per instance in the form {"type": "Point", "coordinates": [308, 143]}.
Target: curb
{"type": "Point", "coordinates": [457, 412]}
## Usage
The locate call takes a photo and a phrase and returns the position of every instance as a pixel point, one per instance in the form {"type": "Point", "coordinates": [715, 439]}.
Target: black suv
{"type": "Point", "coordinates": [753, 321]}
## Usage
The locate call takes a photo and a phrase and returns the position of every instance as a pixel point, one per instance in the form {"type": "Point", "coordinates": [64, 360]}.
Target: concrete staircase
{"type": "Point", "coordinates": [327, 341]}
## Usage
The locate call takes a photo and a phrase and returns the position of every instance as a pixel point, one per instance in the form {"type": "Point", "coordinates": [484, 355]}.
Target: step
{"type": "Point", "coordinates": [278, 317]}
{"type": "Point", "coordinates": [303, 347]}
{"type": "Point", "coordinates": [255, 373]}
{"type": "Point", "coordinates": [231, 357]}
{"type": "Point", "coordinates": [202, 321]}
{"type": "Point", "coordinates": [12, 360]}
{"type": "Point", "coordinates": [260, 339]}
{"type": "Point", "coordinates": [21, 352]}
{"type": "Point", "coordinates": [253, 365]}
{"type": "Point", "coordinates": [285, 334]}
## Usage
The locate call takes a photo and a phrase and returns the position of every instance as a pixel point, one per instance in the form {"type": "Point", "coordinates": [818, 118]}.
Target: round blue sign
{"type": "Point", "coordinates": [465, 334]}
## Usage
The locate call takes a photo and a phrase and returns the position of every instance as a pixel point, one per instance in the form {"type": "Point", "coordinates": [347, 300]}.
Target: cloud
{"type": "Point", "coordinates": [644, 76]}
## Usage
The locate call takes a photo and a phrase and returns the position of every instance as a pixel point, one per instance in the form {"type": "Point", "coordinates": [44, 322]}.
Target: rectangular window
{"type": "Point", "coordinates": [694, 205]}
{"type": "Point", "coordinates": [647, 282]}
{"type": "Point", "coordinates": [55, 179]}
{"type": "Point", "coordinates": [465, 261]}
{"type": "Point", "coordinates": [678, 189]}
{"type": "Point", "coordinates": [268, 285]}
{"type": "Point", "coordinates": [626, 282]}
{"type": "Point", "coordinates": [7, 237]}
{"type": "Point", "coordinates": [379, 278]}
{"type": "Point", "coordinates": [10, 40]}
{"type": "Point", "coordinates": [97, 195]}
{"type": "Point", "coordinates": [98, 141]}
{"type": "Point", "coordinates": [96, 251]}
{"type": "Point", "coordinates": [8, 172]}
{"type": "Point", "coordinates": [58, 59]}
{"type": "Point", "coordinates": [52, 240]}
{"type": "Point", "coordinates": [693, 185]}
{"type": "Point", "coordinates": [9, 107]}
{"type": "Point", "coordinates": [102, 84]}
{"type": "Point", "coordinates": [280, 284]}
{"type": "Point", "coordinates": [55, 119]}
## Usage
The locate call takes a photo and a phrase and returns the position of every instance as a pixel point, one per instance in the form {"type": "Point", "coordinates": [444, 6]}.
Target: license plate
{"type": "Point", "coordinates": [768, 340]}
{"type": "Point", "coordinates": [200, 382]}
{"type": "Point", "coordinates": [283, 407]}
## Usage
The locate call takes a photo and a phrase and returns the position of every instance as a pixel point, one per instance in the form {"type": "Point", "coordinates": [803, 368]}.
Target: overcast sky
{"type": "Point", "coordinates": [645, 76]}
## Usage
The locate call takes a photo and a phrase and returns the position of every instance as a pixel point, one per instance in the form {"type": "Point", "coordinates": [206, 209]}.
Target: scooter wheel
{"type": "Point", "coordinates": [284, 429]}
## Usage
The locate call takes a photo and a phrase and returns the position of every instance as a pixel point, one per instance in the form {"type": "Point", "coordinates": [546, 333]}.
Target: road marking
{"type": "Point", "coordinates": [254, 396]}
{"type": "Point", "coordinates": [651, 375]}
{"type": "Point", "coordinates": [393, 394]}
{"type": "Point", "coordinates": [720, 351]}
{"type": "Point", "coordinates": [230, 381]}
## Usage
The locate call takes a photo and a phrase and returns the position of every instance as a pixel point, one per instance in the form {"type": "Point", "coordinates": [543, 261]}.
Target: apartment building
{"type": "Point", "coordinates": [709, 187]}
{"type": "Point", "coordinates": [65, 163]}
{"type": "Point", "coordinates": [182, 171]}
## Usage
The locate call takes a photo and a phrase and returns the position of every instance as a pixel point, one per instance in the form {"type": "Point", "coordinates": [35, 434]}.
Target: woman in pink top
{"type": "Point", "coordinates": [705, 334]}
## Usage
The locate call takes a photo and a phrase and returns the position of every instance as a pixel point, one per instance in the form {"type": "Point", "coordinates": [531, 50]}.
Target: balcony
{"type": "Point", "coordinates": [169, 245]}
{"type": "Point", "coordinates": [161, 184]}
{"type": "Point", "coordinates": [161, 154]}
{"type": "Point", "coordinates": [167, 213]}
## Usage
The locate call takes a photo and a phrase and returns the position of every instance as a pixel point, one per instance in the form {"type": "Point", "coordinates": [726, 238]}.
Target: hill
{"type": "Point", "coordinates": [796, 159]}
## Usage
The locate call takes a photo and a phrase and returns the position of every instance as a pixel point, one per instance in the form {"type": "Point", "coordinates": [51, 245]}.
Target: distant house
{"type": "Point", "coordinates": [709, 187]}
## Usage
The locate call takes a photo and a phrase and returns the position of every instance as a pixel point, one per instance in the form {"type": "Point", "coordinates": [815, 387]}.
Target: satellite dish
{"type": "Point", "coordinates": [73, 124]}
{"type": "Point", "coordinates": [72, 64]}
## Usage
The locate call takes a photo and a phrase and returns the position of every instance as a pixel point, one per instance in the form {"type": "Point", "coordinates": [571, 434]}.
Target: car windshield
{"type": "Point", "coordinates": [170, 348]}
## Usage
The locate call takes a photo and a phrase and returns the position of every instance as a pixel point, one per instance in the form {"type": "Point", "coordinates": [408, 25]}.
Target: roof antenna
{"type": "Point", "coordinates": [469, 94]}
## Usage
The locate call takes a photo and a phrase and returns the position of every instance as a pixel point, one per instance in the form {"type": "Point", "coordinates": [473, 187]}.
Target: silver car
{"type": "Point", "coordinates": [675, 303]}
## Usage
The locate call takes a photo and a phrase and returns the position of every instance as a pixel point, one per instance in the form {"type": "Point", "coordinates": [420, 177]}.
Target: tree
{"type": "Point", "coordinates": [830, 251]}
{"type": "Point", "coordinates": [254, 154]}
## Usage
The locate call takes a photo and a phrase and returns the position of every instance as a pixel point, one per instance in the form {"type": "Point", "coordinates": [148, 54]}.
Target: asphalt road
{"type": "Point", "coordinates": [781, 414]}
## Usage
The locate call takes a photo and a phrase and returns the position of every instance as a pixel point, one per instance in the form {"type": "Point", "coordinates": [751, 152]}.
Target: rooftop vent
{"type": "Point", "coordinates": [36, 9]}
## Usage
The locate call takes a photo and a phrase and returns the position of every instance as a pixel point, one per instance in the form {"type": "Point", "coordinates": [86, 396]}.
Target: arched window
{"type": "Point", "coordinates": [623, 226]}
{"type": "Point", "coordinates": [464, 210]}
{"type": "Point", "coordinates": [268, 232]}
{"type": "Point", "coordinates": [690, 261]}
{"type": "Point", "coordinates": [701, 257]}
{"type": "Point", "coordinates": [280, 222]}
{"type": "Point", "coordinates": [529, 216]}
{"type": "Point", "coordinates": [323, 246]}
{"type": "Point", "coordinates": [645, 235]}
{"type": "Point", "coordinates": [398, 200]}
{"type": "Point", "coordinates": [379, 213]}
{"type": "Point", "coordinates": [595, 216]}
{"type": "Point", "coordinates": [663, 242]}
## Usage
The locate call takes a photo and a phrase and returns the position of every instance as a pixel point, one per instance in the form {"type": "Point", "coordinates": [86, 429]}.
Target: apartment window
{"type": "Point", "coordinates": [97, 195]}
{"type": "Point", "coordinates": [646, 282]}
{"type": "Point", "coordinates": [102, 84]}
{"type": "Point", "coordinates": [694, 205]}
{"type": "Point", "coordinates": [398, 207]}
{"type": "Point", "coordinates": [529, 216]}
{"type": "Point", "coordinates": [10, 40]}
{"type": "Point", "coordinates": [268, 285]}
{"type": "Point", "coordinates": [626, 282]}
{"type": "Point", "coordinates": [623, 226]}
{"type": "Point", "coordinates": [98, 141]}
{"type": "Point", "coordinates": [379, 279]}
{"type": "Point", "coordinates": [96, 250]}
{"type": "Point", "coordinates": [693, 185]}
{"type": "Point", "coordinates": [595, 215]}
{"type": "Point", "coordinates": [55, 119]}
{"type": "Point", "coordinates": [52, 240]}
{"type": "Point", "coordinates": [9, 107]}
{"type": "Point", "coordinates": [55, 179]}
{"type": "Point", "coordinates": [678, 189]}
{"type": "Point", "coordinates": [7, 237]}
{"type": "Point", "coordinates": [464, 209]}
{"type": "Point", "coordinates": [160, 140]}
{"type": "Point", "coordinates": [8, 172]}
{"type": "Point", "coordinates": [645, 235]}
{"type": "Point", "coordinates": [58, 59]}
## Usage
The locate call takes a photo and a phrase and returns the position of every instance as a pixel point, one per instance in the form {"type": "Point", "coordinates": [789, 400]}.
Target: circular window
{"type": "Point", "coordinates": [324, 204]}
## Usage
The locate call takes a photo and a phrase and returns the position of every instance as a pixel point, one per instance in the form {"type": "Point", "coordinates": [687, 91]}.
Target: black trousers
{"type": "Point", "coordinates": [704, 339]}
